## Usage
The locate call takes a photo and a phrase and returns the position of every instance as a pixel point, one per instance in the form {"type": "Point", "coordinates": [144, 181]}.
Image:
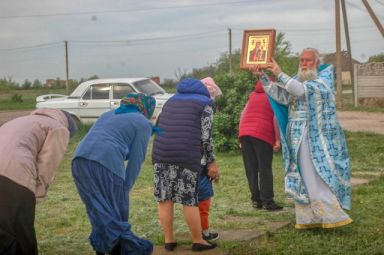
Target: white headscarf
{"type": "Point", "coordinates": [213, 89]}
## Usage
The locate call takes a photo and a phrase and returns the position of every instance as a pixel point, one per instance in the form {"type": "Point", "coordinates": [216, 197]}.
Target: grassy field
{"type": "Point", "coordinates": [27, 96]}
{"type": "Point", "coordinates": [62, 226]}
{"type": "Point", "coordinates": [364, 236]}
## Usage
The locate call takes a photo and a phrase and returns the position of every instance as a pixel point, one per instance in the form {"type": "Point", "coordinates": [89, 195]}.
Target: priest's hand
{"type": "Point", "coordinates": [256, 70]}
{"type": "Point", "coordinates": [274, 67]}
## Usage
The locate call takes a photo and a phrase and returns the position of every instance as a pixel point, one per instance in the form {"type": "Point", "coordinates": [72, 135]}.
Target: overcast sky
{"type": "Point", "coordinates": [117, 38]}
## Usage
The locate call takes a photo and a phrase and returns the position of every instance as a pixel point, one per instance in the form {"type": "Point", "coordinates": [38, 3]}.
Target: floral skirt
{"type": "Point", "coordinates": [173, 182]}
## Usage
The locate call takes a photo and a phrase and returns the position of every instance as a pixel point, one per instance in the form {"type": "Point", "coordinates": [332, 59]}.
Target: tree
{"type": "Point", "coordinates": [376, 58]}
{"type": "Point", "coordinates": [27, 84]}
{"type": "Point", "coordinates": [93, 77]}
{"type": "Point", "coordinates": [37, 84]}
{"type": "Point", "coordinates": [283, 55]}
{"type": "Point", "coordinates": [222, 63]}
{"type": "Point", "coordinates": [181, 74]}
{"type": "Point", "coordinates": [169, 85]}
{"type": "Point", "coordinates": [7, 83]}
{"type": "Point", "coordinates": [236, 88]}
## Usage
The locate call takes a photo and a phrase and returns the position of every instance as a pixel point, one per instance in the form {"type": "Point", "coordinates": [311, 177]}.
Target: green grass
{"type": "Point", "coordinates": [28, 98]}
{"type": "Point", "coordinates": [347, 105]}
{"type": "Point", "coordinates": [62, 226]}
{"type": "Point", "coordinates": [364, 236]}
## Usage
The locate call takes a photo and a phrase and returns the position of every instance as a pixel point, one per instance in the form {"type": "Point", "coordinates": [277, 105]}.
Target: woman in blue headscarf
{"type": "Point", "coordinates": [102, 179]}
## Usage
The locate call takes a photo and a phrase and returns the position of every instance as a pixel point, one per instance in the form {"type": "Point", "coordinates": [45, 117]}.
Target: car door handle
{"type": "Point", "coordinates": [83, 103]}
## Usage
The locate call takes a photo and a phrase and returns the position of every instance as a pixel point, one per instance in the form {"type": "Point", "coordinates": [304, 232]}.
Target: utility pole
{"type": "Point", "coordinates": [230, 50]}
{"type": "Point", "coordinates": [346, 29]}
{"type": "Point", "coordinates": [339, 88]}
{"type": "Point", "coordinates": [374, 18]}
{"type": "Point", "coordinates": [66, 67]}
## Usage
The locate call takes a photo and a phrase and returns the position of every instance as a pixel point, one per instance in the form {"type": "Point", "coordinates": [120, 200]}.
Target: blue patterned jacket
{"type": "Point", "coordinates": [326, 138]}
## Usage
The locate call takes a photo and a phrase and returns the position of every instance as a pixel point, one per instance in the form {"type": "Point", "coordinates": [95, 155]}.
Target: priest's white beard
{"type": "Point", "coordinates": [307, 75]}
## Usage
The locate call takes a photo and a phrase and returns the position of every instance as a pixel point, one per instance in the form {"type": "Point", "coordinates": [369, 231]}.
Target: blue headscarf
{"type": "Point", "coordinates": [134, 102]}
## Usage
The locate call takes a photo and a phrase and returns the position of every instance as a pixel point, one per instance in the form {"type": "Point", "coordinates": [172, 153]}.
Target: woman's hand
{"type": "Point", "coordinates": [276, 146]}
{"type": "Point", "coordinates": [213, 171]}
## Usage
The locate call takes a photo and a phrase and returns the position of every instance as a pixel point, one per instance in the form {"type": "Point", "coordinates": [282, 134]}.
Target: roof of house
{"type": "Point", "coordinates": [330, 58]}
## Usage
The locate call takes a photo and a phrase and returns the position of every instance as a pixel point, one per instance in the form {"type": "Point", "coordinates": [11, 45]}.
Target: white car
{"type": "Point", "coordinates": [92, 98]}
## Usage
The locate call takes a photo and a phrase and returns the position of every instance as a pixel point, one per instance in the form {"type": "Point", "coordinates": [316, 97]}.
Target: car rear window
{"type": "Point", "coordinates": [148, 87]}
{"type": "Point", "coordinates": [121, 90]}
{"type": "Point", "coordinates": [97, 91]}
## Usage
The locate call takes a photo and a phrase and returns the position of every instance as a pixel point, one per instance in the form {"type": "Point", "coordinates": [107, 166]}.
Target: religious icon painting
{"type": "Point", "coordinates": [258, 48]}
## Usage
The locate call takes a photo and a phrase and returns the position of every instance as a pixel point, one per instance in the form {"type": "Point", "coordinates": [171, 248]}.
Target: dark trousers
{"type": "Point", "coordinates": [257, 158]}
{"type": "Point", "coordinates": [17, 218]}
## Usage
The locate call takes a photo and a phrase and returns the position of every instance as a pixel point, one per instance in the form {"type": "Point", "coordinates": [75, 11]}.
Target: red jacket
{"type": "Point", "coordinates": [257, 117]}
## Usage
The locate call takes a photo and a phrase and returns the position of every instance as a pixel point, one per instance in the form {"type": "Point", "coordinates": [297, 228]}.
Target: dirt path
{"type": "Point", "coordinates": [8, 115]}
{"type": "Point", "coordinates": [362, 121]}
{"type": "Point", "coordinates": [351, 121]}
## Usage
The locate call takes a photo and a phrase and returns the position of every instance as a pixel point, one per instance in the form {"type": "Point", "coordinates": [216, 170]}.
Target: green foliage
{"type": "Point", "coordinates": [27, 85]}
{"type": "Point", "coordinates": [17, 98]}
{"type": "Point", "coordinates": [376, 58]}
{"type": "Point", "coordinates": [203, 72]}
{"type": "Point", "coordinates": [283, 55]}
{"type": "Point", "coordinates": [7, 84]}
{"type": "Point", "coordinates": [236, 89]}
{"type": "Point", "coordinates": [222, 64]}
{"type": "Point", "coordinates": [169, 85]}
{"type": "Point", "coordinates": [37, 84]}
{"type": "Point", "coordinates": [93, 77]}
{"type": "Point", "coordinates": [7, 98]}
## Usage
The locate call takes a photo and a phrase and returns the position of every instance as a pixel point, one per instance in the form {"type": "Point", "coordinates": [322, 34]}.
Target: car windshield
{"type": "Point", "coordinates": [149, 87]}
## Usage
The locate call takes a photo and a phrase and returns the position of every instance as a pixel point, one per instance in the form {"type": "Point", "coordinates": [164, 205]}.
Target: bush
{"type": "Point", "coordinates": [229, 106]}
{"type": "Point", "coordinates": [17, 98]}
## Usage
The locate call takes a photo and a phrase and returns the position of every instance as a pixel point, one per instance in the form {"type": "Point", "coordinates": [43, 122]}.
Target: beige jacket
{"type": "Point", "coordinates": [31, 148]}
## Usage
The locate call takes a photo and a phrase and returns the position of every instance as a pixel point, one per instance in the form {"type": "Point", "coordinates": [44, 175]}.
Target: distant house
{"type": "Point", "coordinates": [330, 58]}
{"type": "Point", "coordinates": [155, 79]}
{"type": "Point", "coordinates": [54, 83]}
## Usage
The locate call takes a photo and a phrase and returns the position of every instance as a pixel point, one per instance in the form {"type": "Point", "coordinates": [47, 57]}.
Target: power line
{"type": "Point", "coordinates": [164, 39]}
{"type": "Point", "coordinates": [310, 29]}
{"type": "Point", "coordinates": [126, 42]}
{"type": "Point", "coordinates": [32, 46]}
{"type": "Point", "coordinates": [126, 10]}
{"type": "Point", "coordinates": [151, 39]}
